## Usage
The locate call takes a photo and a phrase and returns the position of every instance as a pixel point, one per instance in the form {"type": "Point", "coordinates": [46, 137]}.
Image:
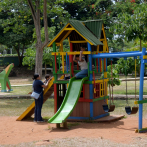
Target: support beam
{"type": "Point", "coordinates": [79, 41]}
{"type": "Point", "coordinates": [90, 79]}
{"type": "Point", "coordinates": [141, 89]}
{"type": "Point", "coordinates": [72, 53]}
{"type": "Point", "coordinates": [117, 55]}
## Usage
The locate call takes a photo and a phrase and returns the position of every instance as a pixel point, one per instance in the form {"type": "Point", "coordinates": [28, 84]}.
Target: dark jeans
{"type": "Point", "coordinates": [82, 74]}
{"type": "Point", "coordinates": [38, 107]}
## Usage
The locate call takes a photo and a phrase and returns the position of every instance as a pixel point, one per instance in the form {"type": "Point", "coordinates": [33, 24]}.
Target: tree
{"type": "Point", "coordinates": [132, 24]}
{"type": "Point", "coordinates": [30, 53]}
{"type": "Point", "coordinates": [127, 66]}
{"type": "Point", "coordinates": [15, 33]}
{"type": "Point", "coordinates": [39, 10]}
{"type": "Point", "coordinates": [113, 76]}
{"type": "Point", "coordinates": [36, 6]}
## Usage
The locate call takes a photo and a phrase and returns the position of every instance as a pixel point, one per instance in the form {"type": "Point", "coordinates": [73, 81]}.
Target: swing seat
{"type": "Point", "coordinates": [107, 109]}
{"type": "Point", "coordinates": [130, 111]}
{"type": "Point", "coordinates": [111, 109]}
{"type": "Point", "coordinates": [134, 110]}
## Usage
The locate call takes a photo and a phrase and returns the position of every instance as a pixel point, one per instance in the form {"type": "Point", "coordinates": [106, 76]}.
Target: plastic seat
{"type": "Point", "coordinates": [130, 111]}
{"type": "Point", "coordinates": [108, 109]}
{"type": "Point", "coordinates": [105, 107]}
{"type": "Point", "coordinates": [112, 107]}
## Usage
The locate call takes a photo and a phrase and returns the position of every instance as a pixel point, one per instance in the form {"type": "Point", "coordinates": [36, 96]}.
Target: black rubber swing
{"type": "Point", "coordinates": [109, 108]}
{"type": "Point", "coordinates": [128, 109]}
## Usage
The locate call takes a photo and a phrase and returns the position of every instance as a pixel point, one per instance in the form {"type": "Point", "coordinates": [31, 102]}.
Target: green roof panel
{"type": "Point", "coordinates": [95, 26]}
{"type": "Point", "coordinates": [79, 26]}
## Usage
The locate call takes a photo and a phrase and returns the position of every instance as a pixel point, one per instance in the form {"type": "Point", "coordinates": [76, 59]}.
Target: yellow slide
{"type": "Point", "coordinates": [46, 94]}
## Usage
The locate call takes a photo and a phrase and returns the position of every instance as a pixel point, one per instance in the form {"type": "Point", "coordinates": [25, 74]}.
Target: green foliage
{"type": "Point", "coordinates": [15, 29]}
{"type": "Point", "coordinates": [30, 53]}
{"type": "Point", "coordinates": [29, 58]}
{"type": "Point", "coordinates": [127, 66]}
{"type": "Point", "coordinates": [132, 21]}
{"type": "Point", "coordinates": [135, 45]}
{"type": "Point", "coordinates": [51, 32]}
{"type": "Point", "coordinates": [113, 76]}
{"type": "Point", "coordinates": [66, 47]}
{"type": "Point", "coordinates": [47, 57]}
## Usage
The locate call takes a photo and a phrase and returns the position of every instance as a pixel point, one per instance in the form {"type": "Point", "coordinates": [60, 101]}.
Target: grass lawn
{"type": "Point", "coordinates": [15, 107]}
{"type": "Point", "coordinates": [19, 90]}
{"type": "Point", "coordinates": [121, 89]}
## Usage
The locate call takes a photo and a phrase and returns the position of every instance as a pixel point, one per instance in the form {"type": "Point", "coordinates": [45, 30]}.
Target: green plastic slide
{"type": "Point", "coordinates": [70, 100]}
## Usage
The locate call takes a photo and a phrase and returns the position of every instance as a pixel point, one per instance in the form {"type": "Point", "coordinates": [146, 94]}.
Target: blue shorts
{"type": "Point", "coordinates": [82, 74]}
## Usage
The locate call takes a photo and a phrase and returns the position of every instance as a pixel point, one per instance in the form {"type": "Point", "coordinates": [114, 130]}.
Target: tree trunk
{"type": "Point", "coordinates": [45, 69]}
{"type": "Point", "coordinates": [38, 62]}
{"type": "Point", "coordinates": [35, 10]}
{"type": "Point", "coordinates": [19, 57]}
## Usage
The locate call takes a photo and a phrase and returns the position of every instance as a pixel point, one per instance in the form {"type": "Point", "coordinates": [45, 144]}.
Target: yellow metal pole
{"type": "Point", "coordinates": [63, 63]}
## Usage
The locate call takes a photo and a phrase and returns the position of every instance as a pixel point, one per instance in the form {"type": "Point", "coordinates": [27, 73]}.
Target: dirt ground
{"type": "Point", "coordinates": [122, 131]}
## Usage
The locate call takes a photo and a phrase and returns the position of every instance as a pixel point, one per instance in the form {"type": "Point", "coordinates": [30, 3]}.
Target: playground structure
{"type": "Point", "coordinates": [4, 80]}
{"type": "Point", "coordinates": [84, 99]}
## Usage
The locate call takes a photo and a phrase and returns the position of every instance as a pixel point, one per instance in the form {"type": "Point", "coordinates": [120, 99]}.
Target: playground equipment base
{"type": "Point", "coordinates": [109, 118]}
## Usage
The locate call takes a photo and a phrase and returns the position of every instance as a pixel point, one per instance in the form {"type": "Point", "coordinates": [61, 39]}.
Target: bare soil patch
{"type": "Point", "coordinates": [16, 132]}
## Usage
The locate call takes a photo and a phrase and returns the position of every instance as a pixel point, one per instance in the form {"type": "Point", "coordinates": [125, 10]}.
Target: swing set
{"type": "Point", "coordinates": [111, 106]}
{"type": "Point", "coordinates": [128, 108]}
{"type": "Point", "coordinates": [143, 59]}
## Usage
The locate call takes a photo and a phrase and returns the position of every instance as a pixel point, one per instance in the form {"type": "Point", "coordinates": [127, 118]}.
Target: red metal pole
{"type": "Point", "coordinates": [55, 98]}
{"type": "Point", "coordinates": [100, 66]}
{"type": "Point", "coordinates": [71, 59]}
{"type": "Point", "coordinates": [84, 91]}
{"type": "Point", "coordinates": [104, 64]}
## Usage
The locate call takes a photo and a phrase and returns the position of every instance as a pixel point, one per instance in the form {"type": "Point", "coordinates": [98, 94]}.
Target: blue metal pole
{"type": "Point", "coordinates": [117, 55]}
{"type": "Point", "coordinates": [66, 63]}
{"type": "Point", "coordinates": [90, 79]}
{"type": "Point", "coordinates": [141, 88]}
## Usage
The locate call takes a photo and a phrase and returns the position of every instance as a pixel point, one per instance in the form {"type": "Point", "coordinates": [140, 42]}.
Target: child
{"type": "Point", "coordinates": [47, 78]}
{"type": "Point", "coordinates": [82, 63]}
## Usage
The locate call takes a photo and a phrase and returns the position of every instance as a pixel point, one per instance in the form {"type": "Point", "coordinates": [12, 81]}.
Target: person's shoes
{"type": "Point", "coordinates": [40, 121]}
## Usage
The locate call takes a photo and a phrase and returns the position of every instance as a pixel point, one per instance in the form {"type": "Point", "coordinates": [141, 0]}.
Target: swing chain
{"type": "Point", "coordinates": [126, 81]}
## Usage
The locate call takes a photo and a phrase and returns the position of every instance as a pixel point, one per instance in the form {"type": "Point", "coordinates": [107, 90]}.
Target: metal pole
{"type": "Point", "coordinates": [90, 79]}
{"type": "Point", "coordinates": [141, 89]}
{"type": "Point", "coordinates": [117, 55]}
